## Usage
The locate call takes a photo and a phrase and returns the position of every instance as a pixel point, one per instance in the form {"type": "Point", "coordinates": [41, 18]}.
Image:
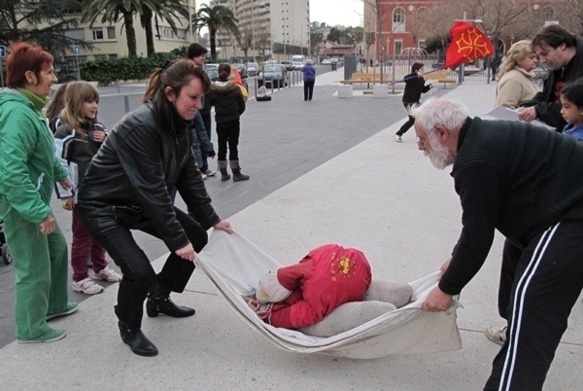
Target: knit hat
{"type": "Point", "coordinates": [270, 290]}
{"type": "Point", "coordinates": [195, 50]}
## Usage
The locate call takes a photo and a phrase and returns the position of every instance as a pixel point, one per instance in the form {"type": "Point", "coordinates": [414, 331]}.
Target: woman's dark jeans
{"type": "Point", "coordinates": [138, 274]}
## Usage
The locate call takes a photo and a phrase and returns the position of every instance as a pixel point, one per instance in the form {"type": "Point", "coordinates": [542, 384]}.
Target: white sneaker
{"type": "Point", "coordinates": [107, 274]}
{"type": "Point", "coordinates": [87, 286]}
{"type": "Point", "coordinates": [398, 138]}
{"type": "Point", "coordinates": [496, 334]}
{"type": "Point", "coordinates": [203, 176]}
{"type": "Point", "coordinates": [210, 172]}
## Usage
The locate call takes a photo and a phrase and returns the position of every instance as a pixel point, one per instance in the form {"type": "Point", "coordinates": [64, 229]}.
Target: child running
{"type": "Point", "coordinates": [77, 140]}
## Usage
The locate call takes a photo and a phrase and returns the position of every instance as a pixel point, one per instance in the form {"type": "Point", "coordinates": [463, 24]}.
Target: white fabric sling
{"type": "Point", "coordinates": [234, 265]}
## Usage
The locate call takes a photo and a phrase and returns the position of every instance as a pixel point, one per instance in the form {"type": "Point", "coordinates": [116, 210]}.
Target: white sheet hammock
{"type": "Point", "coordinates": [234, 264]}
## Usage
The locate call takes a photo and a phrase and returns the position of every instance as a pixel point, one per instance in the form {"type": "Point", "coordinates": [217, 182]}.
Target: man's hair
{"type": "Point", "coordinates": [195, 50]}
{"type": "Point", "coordinates": [450, 114]}
{"type": "Point", "coordinates": [554, 36]}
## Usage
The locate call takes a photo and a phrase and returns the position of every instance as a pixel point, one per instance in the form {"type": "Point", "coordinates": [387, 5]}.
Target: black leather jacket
{"type": "Point", "coordinates": [129, 179]}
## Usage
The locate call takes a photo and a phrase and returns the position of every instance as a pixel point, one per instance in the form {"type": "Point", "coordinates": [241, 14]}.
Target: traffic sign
{"type": "Point", "coordinates": [2, 51]}
{"type": "Point", "coordinates": [77, 50]}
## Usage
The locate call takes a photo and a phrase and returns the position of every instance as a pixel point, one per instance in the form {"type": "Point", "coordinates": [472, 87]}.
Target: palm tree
{"type": "Point", "coordinates": [168, 10]}
{"type": "Point", "coordinates": [111, 11]}
{"type": "Point", "coordinates": [215, 18]}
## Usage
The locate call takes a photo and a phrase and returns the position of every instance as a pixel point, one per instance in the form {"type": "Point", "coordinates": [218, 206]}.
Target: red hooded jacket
{"type": "Point", "coordinates": [327, 277]}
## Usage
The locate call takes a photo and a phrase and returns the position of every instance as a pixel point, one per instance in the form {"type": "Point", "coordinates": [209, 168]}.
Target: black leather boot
{"type": "Point", "coordinates": [223, 169]}
{"type": "Point", "coordinates": [137, 341]}
{"type": "Point", "coordinates": [237, 174]}
{"type": "Point", "coordinates": [163, 305]}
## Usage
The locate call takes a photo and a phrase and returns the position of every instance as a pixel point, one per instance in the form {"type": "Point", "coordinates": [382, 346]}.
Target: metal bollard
{"type": "Point", "coordinates": [126, 103]}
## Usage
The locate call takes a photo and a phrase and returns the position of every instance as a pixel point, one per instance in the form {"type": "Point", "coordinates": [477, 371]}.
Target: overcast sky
{"type": "Point", "coordinates": [333, 12]}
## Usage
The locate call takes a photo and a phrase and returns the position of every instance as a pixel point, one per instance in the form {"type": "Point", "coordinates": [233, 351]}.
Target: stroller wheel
{"type": "Point", "coordinates": [6, 256]}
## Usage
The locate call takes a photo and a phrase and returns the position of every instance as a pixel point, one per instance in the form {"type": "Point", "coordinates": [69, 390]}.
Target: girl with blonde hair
{"type": "Point", "coordinates": [77, 140]}
{"type": "Point", "coordinates": [515, 82]}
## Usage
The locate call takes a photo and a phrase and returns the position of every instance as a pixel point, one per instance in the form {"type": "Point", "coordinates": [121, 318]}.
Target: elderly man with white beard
{"type": "Point", "coordinates": [527, 183]}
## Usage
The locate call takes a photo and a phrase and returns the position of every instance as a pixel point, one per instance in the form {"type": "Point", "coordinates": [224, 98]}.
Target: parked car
{"type": "Point", "coordinates": [288, 65]}
{"type": "Point", "coordinates": [298, 60]}
{"type": "Point", "coordinates": [252, 68]}
{"type": "Point", "coordinates": [242, 70]}
{"type": "Point", "coordinates": [212, 70]}
{"type": "Point", "coordinates": [273, 73]}
{"type": "Point", "coordinates": [298, 65]}
{"type": "Point", "coordinates": [326, 61]}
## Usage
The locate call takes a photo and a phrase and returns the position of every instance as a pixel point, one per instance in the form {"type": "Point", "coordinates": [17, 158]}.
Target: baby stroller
{"type": "Point", "coordinates": [6, 257]}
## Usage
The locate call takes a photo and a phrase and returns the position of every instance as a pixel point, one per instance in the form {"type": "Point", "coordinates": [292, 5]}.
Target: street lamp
{"type": "Point", "coordinates": [393, 56]}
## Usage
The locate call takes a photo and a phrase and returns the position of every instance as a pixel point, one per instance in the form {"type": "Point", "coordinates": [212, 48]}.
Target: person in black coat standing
{"type": "Point", "coordinates": [414, 87]}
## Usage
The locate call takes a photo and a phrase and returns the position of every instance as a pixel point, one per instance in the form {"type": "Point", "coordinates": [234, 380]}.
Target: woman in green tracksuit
{"type": "Point", "coordinates": [28, 171]}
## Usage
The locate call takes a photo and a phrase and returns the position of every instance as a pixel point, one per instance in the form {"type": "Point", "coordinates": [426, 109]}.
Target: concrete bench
{"type": "Point", "coordinates": [345, 91]}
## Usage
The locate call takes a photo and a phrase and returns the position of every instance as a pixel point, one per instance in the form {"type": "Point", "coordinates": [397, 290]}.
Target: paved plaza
{"type": "Point", "coordinates": [321, 172]}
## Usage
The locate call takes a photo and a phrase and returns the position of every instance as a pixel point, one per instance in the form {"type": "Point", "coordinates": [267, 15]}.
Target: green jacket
{"type": "Point", "coordinates": [28, 166]}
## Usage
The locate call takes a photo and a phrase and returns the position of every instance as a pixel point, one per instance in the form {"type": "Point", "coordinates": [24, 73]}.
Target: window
{"type": "Point", "coordinates": [398, 47]}
{"type": "Point", "coordinates": [398, 20]}
{"type": "Point", "coordinates": [111, 33]}
{"type": "Point", "coordinates": [167, 33]}
{"type": "Point", "coordinates": [97, 34]}
{"type": "Point", "coordinates": [76, 34]}
{"type": "Point", "coordinates": [548, 13]}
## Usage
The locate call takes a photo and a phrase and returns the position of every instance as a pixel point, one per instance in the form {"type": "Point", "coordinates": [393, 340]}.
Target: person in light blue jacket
{"type": "Point", "coordinates": [309, 72]}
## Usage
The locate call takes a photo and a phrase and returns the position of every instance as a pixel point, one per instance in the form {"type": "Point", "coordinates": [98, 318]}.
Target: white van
{"type": "Point", "coordinates": [298, 61]}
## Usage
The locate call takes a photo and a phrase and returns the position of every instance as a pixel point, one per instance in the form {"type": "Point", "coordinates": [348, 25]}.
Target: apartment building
{"type": "Point", "coordinates": [109, 40]}
{"type": "Point", "coordinates": [278, 28]}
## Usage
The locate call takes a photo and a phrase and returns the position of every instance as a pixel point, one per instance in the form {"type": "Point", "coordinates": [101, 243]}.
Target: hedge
{"type": "Point", "coordinates": [106, 72]}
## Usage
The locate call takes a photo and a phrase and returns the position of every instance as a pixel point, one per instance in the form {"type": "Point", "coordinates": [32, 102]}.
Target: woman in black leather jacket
{"type": "Point", "coordinates": [127, 187]}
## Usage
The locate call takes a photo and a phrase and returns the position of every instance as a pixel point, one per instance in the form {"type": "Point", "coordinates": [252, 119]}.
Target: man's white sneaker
{"type": "Point", "coordinates": [210, 172]}
{"type": "Point", "coordinates": [398, 138]}
{"type": "Point", "coordinates": [107, 274]}
{"type": "Point", "coordinates": [87, 286]}
{"type": "Point", "coordinates": [496, 334]}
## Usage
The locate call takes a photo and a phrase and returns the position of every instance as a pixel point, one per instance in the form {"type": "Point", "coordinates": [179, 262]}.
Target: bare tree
{"type": "Point", "coordinates": [570, 15]}
{"type": "Point", "coordinates": [245, 39]}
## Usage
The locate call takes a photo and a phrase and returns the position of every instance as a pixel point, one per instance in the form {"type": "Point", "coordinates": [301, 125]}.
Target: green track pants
{"type": "Point", "coordinates": [40, 262]}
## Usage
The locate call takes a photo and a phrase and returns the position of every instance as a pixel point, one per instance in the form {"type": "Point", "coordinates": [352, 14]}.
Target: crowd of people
{"type": "Point", "coordinates": [122, 180]}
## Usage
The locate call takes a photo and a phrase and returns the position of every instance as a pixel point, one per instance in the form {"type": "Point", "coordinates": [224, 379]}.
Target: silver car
{"type": "Point", "coordinates": [252, 68]}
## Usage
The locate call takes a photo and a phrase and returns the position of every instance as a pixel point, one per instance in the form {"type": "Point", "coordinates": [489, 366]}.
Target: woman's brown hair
{"type": "Point", "coordinates": [175, 75]}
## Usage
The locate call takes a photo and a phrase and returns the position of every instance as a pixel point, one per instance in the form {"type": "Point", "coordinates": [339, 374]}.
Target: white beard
{"type": "Point", "coordinates": [440, 156]}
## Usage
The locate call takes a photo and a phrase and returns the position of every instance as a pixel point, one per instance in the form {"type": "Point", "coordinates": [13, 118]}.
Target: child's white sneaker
{"type": "Point", "coordinates": [107, 274]}
{"type": "Point", "coordinates": [87, 286]}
